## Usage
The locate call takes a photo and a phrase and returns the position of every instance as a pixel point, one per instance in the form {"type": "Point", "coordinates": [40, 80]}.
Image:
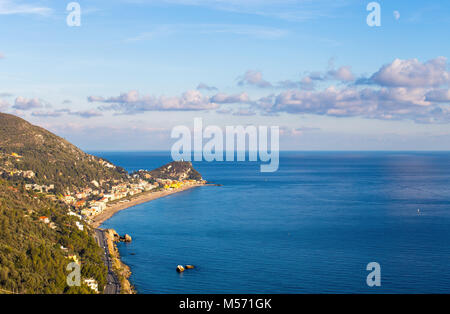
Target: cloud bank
{"type": "Point", "coordinates": [400, 90]}
{"type": "Point", "coordinates": [22, 103]}
{"type": "Point", "coordinates": [132, 102]}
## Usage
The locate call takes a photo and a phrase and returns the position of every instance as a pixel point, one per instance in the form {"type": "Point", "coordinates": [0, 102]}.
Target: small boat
{"type": "Point", "coordinates": [190, 266]}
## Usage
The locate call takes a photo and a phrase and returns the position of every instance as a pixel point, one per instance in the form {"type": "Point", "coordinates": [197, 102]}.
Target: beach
{"type": "Point", "coordinates": [138, 199]}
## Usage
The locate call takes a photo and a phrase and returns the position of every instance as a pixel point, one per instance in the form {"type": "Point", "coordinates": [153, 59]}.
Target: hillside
{"type": "Point", "coordinates": [33, 254]}
{"type": "Point", "coordinates": [176, 170]}
{"type": "Point", "coordinates": [32, 154]}
{"type": "Point", "coordinates": [49, 192]}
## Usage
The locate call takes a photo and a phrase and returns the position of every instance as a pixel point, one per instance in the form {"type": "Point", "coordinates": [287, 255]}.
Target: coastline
{"type": "Point", "coordinates": [120, 268]}
{"type": "Point", "coordinates": [140, 199]}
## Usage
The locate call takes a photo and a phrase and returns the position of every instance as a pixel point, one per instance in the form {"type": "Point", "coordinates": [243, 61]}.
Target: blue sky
{"type": "Point", "coordinates": [135, 69]}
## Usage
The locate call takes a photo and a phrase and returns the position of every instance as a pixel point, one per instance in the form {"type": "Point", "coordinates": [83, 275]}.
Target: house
{"type": "Point", "coordinates": [68, 199]}
{"type": "Point", "coordinates": [104, 200]}
{"type": "Point", "coordinates": [28, 174]}
{"type": "Point", "coordinates": [80, 195]}
{"type": "Point", "coordinates": [79, 225]}
{"type": "Point", "coordinates": [91, 283]}
{"type": "Point", "coordinates": [71, 213]}
{"type": "Point", "coordinates": [108, 197]}
{"type": "Point", "coordinates": [80, 204]}
{"type": "Point", "coordinates": [44, 219]}
{"type": "Point", "coordinates": [86, 212]}
{"type": "Point", "coordinates": [51, 196]}
{"type": "Point", "coordinates": [100, 204]}
{"type": "Point", "coordinates": [94, 210]}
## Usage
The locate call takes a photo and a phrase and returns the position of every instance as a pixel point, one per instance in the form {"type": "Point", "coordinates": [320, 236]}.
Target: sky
{"type": "Point", "coordinates": [135, 69]}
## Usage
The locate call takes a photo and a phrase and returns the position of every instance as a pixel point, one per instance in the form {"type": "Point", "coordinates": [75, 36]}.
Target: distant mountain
{"type": "Point", "coordinates": [38, 156]}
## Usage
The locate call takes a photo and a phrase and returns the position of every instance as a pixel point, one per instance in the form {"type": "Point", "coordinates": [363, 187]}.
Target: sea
{"type": "Point", "coordinates": [313, 226]}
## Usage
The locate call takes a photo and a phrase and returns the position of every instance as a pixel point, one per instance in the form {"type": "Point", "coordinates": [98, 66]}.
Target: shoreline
{"type": "Point", "coordinates": [122, 270]}
{"type": "Point", "coordinates": [140, 199]}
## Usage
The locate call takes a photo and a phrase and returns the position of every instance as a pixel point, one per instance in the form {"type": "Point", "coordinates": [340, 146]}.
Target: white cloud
{"type": "Point", "coordinates": [86, 114]}
{"type": "Point", "coordinates": [58, 113]}
{"type": "Point", "coordinates": [402, 90]}
{"type": "Point", "coordinates": [132, 102]}
{"type": "Point", "coordinates": [46, 114]}
{"type": "Point", "coordinates": [254, 78]}
{"type": "Point", "coordinates": [261, 32]}
{"type": "Point", "coordinates": [9, 7]}
{"type": "Point", "coordinates": [438, 95]}
{"type": "Point", "coordinates": [344, 74]}
{"type": "Point", "coordinates": [222, 98]}
{"type": "Point", "coordinates": [397, 103]}
{"type": "Point", "coordinates": [294, 132]}
{"type": "Point", "coordinates": [22, 103]}
{"type": "Point", "coordinates": [206, 87]}
{"type": "Point", "coordinates": [413, 73]}
{"type": "Point", "coordinates": [291, 10]}
{"type": "Point", "coordinates": [245, 112]}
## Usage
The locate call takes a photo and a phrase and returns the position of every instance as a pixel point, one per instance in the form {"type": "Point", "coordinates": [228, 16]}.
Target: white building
{"type": "Point", "coordinates": [92, 283]}
{"type": "Point", "coordinates": [79, 225]}
{"type": "Point", "coordinates": [71, 213]}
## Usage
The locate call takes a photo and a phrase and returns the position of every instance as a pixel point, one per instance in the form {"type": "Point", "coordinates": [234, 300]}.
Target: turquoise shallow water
{"type": "Point", "coordinates": [311, 227]}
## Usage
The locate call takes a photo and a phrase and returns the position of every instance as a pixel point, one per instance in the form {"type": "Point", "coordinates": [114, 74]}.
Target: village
{"type": "Point", "coordinates": [91, 202]}
{"type": "Point", "coordinates": [96, 197]}
{"type": "Point", "coordinates": [86, 203]}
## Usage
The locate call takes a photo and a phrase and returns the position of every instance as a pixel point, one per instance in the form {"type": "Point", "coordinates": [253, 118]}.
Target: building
{"type": "Point", "coordinates": [44, 219]}
{"type": "Point", "coordinates": [91, 283]}
{"type": "Point", "coordinates": [71, 213]}
{"type": "Point", "coordinates": [79, 225]}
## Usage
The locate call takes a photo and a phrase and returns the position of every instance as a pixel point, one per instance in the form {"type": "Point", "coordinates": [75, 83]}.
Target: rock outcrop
{"type": "Point", "coordinates": [176, 170]}
{"type": "Point", "coordinates": [180, 269]}
{"type": "Point", "coordinates": [125, 238]}
{"type": "Point", "coordinates": [117, 238]}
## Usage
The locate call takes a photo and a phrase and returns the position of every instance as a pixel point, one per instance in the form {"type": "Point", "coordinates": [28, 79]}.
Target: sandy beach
{"type": "Point", "coordinates": [144, 198]}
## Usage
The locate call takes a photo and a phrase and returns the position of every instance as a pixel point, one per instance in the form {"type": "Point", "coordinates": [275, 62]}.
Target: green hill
{"type": "Point", "coordinates": [34, 254]}
{"type": "Point", "coordinates": [31, 257]}
{"type": "Point", "coordinates": [37, 236]}
{"type": "Point", "coordinates": [175, 170]}
{"type": "Point", "coordinates": [33, 154]}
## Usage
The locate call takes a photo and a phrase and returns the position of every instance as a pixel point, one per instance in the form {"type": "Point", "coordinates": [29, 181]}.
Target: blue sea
{"type": "Point", "coordinates": [311, 227]}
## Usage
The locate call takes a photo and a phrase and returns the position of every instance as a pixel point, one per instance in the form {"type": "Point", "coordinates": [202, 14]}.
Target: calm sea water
{"type": "Point", "coordinates": [311, 227]}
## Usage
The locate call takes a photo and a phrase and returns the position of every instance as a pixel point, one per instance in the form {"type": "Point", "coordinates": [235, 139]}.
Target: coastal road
{"type": "Point", "coordinates": [113, 283]}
